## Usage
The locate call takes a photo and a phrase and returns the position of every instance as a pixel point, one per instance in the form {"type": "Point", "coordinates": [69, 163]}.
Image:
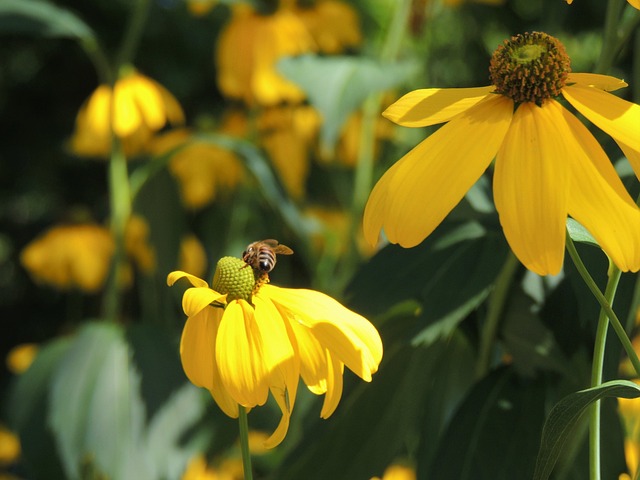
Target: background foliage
{"type": "Point", "coordinates": [111, 398]}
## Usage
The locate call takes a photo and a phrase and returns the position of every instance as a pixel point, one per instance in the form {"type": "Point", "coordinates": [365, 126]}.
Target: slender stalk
{"type": "Point", "coordinates": [244, 443]}
{"type": "Point", "coordinates": [497, 302]}
{"type": "Point", "coordinates": [604, 303]}
{"type": "Point", "coordinates": [133, 32]}
{"type": "Point", "coordinates": [610, 35]}
{"type": "Point", "coordinates": [596, 373]}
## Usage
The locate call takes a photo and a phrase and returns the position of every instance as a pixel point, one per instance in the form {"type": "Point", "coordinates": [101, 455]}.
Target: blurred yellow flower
{"type": "Point", "coordinates": [398, 472]}
{"type": "Point", "coordinates": [632, 454]}
{"type": "Point", "coordinates": [244, 339]}
{"type": "Point", "coordinates": [141, 107]}
{"type": "Point", "coordinates": [334, 25]}
{"type": "Point", "coordinates": [198, 469]}
{"type": "Point", "coordinates": [200, 7]}
{"type": "Point", "coordinates": [335, 236]}
{"type": "Point", "coordinates": [203, 170]}
{"type": "Point", "coordinates": [633, 3]}
{"type": "Point", "coordinates": [288, 134]}
{"type": "Point", "coordinates": [20, 357]}
{"type": "Point", "coordinates": [70, 256]}
{"type": "Point", "coordinates": [9, 446]}
{"type": "Point", "coordinates": [548, 164]}
{"type": "Point", "coordinates": [192, 257]}
{"type": "Point", "coordinates": [247, 52]}
{"type": "Point", "coordinates": [137, 244]}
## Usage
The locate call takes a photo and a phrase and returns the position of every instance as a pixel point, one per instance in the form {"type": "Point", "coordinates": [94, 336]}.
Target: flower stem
{"type": "Point", "coordinates": [244, 443]}
{"type": "Point", "coordinates": [609, 50]}
{"type": "Point", "coordinates": [120, 198]}
{"type": "Point", "coordinates": [133, 32]}
{"type": "Point", "coordinates": [596, 373]}
{"type": "Point", "coordinates": [604, 304]}
{"type": "Point", "coordinates": [496, 305]}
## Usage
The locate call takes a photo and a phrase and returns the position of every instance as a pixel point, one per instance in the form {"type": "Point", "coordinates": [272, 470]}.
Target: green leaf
{"type": "Point", "coordinates": [487, 439]}
{"type": "Point", "coordinates": [337, 86]}
{"type": "Point", "coordinates": [566, 413]}
{"type": "Point", "coordinates": [41, 18]}
{"type": "Point", "coordinates": [580, 234]}
{"type": "Point", "coordinates": [96, 411]}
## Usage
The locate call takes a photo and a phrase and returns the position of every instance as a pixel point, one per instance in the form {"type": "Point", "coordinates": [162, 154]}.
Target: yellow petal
{"type": "Point", "coordinates": [281, 430]}
{"type": "Point", "coordinates": [634, 3]}
{"type": "Point", "coordinates": [421, 108]}
{"type": "Point", "coordinates": [603, 82]}
{"type": "Point", "coordinates": [197, 298]}
{"type": "Point", "coordinates": [531, 184]}
{"type": "Point", "coordinates": [633, 156]}
{"type": "Point", "coordinates": [126, 115]}
{"type": "Point", "coordinates": [613, 219]}
{"type": "Point", "coordinates": [350, 336]}
{"type": "Point", "coordinates": [375, 211]}
{"type": "Point", "coordinates": [313, 358]}
{"type": "Point", "coordinates": [173, 277]}
{"type": "Point", "coordinates": [334, 387]}
{"type": "Point", "coordinates": [198, 358]}
{"type": "Point", "coordinates": [615, 116]}
{"type": "Point", "coordinates": [434, 176]}
{"type": "Point", "coordinates": [239, 354]}
{"type": "Point", "coordinates": [279, 356]}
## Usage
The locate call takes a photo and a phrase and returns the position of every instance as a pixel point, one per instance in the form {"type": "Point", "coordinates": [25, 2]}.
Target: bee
{"type": "Point", "coordinates": [261, 255]}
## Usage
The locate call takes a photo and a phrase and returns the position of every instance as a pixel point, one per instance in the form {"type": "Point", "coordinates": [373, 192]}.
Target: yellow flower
{"type": "Point", "coordinates": [137, 245]}
{"type": "Point", "coordinates": [9, 446]}
{"type": "Point", "coordinates": [202, 169]}
{"type": "Point", "coordinates": [548, 165]}
{"type": "Point", "coordinates": [71, 256]}
{"type": "Point", "coordinates": [248, 50]}
{"type": "Point", "coordinates": [192, 257]}
{"type": "Point", "coordinates": [198, 469]}
{"type": "Point", "coordinates": [141, 107]}
{"type": "Point", "coordinates": [333, 25]}
{"type": "Point", "coordinates": [398, 472]}
{"type": "Point", "coordinates": [287, 134]}
{"type": "Point", "coordinates": [633, 3]}
{"type": "Point", "coordinates": [244, 339]}
{"type": "Point", "coordinates": [20, 357]}
{"type": "Point", "coordinates": [200, 7]}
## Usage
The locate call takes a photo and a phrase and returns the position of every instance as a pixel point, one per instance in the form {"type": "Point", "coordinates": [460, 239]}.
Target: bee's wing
{"type": "Point", "coordinates": [283, 250]}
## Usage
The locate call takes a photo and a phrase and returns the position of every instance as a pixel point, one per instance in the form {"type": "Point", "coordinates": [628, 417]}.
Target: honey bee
{"type": "Point", "coordinates": [261, 255]}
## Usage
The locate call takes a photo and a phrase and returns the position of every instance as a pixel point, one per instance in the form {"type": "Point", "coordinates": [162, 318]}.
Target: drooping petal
{"type": "Point", "coordinates": [611, 217]}
{"type": "Point", "coordinates": [421, 108]}
{"type": "Point", "coordinates": [633, 156]}
{"type": "Point", "coordinates": [198, 358]}
{"type": "Point", "coordinates": [634, 3]}
{"type": "Point", "coordinates": [334, 386]}
{"type": "Point", "coordinates": [126, 115]}
{"type": "Point", "coordinates": [603, 82]}
{"type": "Point", "coordinates": [531, 185]}
{"type": "Point", "coordinates": [279, 355]}
{"type": "Point", "coordinates": [148, 100]}
{"type": "Point", "coordinates": [313, 359]}
{"type": "Point", "coordinates": [352, 338]}
{"type": "Point", "coordinates": [197, 298]}
{"type": "Point", "coordinates": [280, 395]}
{"type": "Point", "coordinates": [615, 116]}
{"type": "Point", "coordinates": [239, 354]}
{"type": "Point", "coordinates": [173, 277]}
{"type": "Point", "coordinates": [434, 176]}
{"type": "Point", "coordinates": [375, 211]}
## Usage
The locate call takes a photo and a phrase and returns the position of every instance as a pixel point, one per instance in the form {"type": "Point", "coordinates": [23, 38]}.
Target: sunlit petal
{"type": "Point", "coordinates": [313, 359]}
{"type": "Point", "coordinates": [421, 108]}
{"type": "Point", "coordinates": [615, 116]}
{"type": "Point", "coordinates": [531, 186]}
{"type": "Point", "coordinates": [334, 386]}
{"type": "Point", "coordinates": [173, 277]}
{"type": "Point", "coordinates": [148, 100]}
{"type": "Point", "coordinates": [197, 298]}
{"type": "Point", "coordinates": [238, 353]}
{"type": "Point", "coordinates": [280, 432]}
{"type": "Point", "coordinates": [613, 219]}
{"type": "Point", "coordinates": [435, 175]}
{"type": "Point", "coordinates": [633, 156]}
{"type": "Point", "coordinates": [375, 211]}
{"type": "Point", "coordinates": [354, 340]}
{"type": "Point", "coordinates": [603, 82]}
{"type": "Point", "coordinates": [278, 354]}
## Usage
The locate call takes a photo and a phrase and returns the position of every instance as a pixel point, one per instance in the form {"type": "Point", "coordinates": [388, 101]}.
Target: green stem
{"type": "Point", "coordinates": [596, 372]}
{"type": "Point", "coordinates": [133, 32]}
{"type": "Point", "coordinates": [604, 304]}
{"type": "Point", "coordinates": [99, 59]}
{"type": "Point", "coordinates": [120, 198]}
{"type": "Point", "coordinates": [244, 443]}
{"type": "Point", "coordinates": [610, 35]}
{"type": "Point", "coordinates": [497, 302]}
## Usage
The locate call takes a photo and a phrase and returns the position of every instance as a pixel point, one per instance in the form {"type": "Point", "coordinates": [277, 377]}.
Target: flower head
{"type": "Point", "coordinates": [547, 164]}
{"type": "Point", "coordinates": [245, 338]}
{"type": "Point", "coordinates": [70, 256]}
{"type": "Point", "coordinates": [141, 107]}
